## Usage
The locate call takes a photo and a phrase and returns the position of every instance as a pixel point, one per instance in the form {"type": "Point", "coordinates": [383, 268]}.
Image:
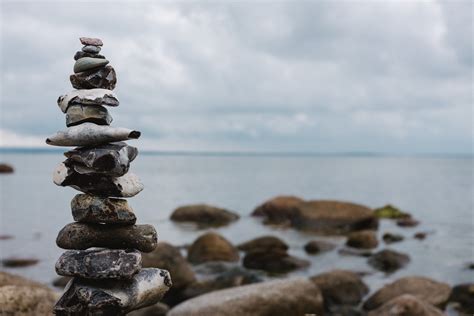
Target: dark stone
{"type": "Point", "coordinates": [6, 237]}
{"type": "Point", "coordinates": [204, 215]}
{"type": "Point", "coordinates": [365, 239]}
{"type": "Point", "coordinates": [19, 262]}
{"type": "Point", "coordinates": [317, 246]}
{"type": "Point", "coordinates": [99, 263]}
{"type": "Point", "coordinates": [4, 168]}
{"type": "Point", "coordinates": [274, 261]}
{"type": "Point", "coordinates": [81, 54]}
{"type": "Point", "coordinates": [420, 235]}
{"type": "Point", "coordinates": [95, 209]}
{"type": "Point", "coordinates": [407, 222]}
{"type": "Point", "coordinates": [104, 78]}
{"type": "Point", "coordinates": [212, 247]}
{"type": "Point", "coordinates": [263, 243]}
{"type": "Point", "coordinates": [388, 260]}
{"type": "Point", "coordinates": [390, 238]}
{"type": "Point", "coordinates": [82, 236]}
{"type": "Point", "coordinates": [78, 114]}
{"type": "Point", "coordinates": [111, 159]}
{"type": "Point", "coordinates": [91, 49]}
{"type": "Point", "coordinates": [463, 294]}
{"type": "Point", "coordinates": [91, 41]}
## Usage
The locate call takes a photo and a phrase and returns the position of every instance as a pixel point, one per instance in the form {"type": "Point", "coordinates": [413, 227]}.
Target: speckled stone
{"type": "Point", "coordinates": [88, 63]}
{"type": "Point", "coordinates": [91, 41]}
{"type": "Point", "coordinates": [104, 77]}
{"type": "Point", "coordinates": [99, 96]}
{"type": "Point", "coordinates": [91, 49]}
{"type": "Point", "coordinates": [95, 209]}
{"type": "Point", "coordinates": [81, 54]}
{"type": "Point", "coordinates": [99, 263]}
{"type": "Point", "coordinates": [78, 114]}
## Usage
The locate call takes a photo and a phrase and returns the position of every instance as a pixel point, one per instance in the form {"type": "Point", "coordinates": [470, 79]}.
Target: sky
{"type": "Point", "coordinates": [299, 76]}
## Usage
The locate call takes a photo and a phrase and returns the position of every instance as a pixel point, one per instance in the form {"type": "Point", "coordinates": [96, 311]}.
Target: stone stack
{"type": "Point", "coordinates": [104, 256]}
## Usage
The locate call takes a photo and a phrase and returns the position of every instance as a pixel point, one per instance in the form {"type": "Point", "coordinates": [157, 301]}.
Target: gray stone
{"type": "Point", "coordinates": [113, 297]}
{"type": "Point", "coordinates": [98, 96]}
{"type": "Point", "coordinates": [88, 63]}
{"type": "Point", "coordinates": [95, 209]}
{"type": "Point", "coordinates": [91, 41]}
{"type": "Point", "coordinates": [78, 114]}
{"type": "Point", "coordinates": [388, 260]}
{"type": "Point", "coordinates": [99, 263]}
{"type": "Point", "coordinates": [81, 54]}
{"type": "Point", "coordinates": [82, 236]}
{"type": "Point", "coordinates": [104, 77]}
{"type": "Point", "coordinates": [91, 49]}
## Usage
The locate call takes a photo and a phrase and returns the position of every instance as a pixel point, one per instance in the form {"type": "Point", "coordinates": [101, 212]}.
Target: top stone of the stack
{"type": "Point", "coordinates": [91, 41]}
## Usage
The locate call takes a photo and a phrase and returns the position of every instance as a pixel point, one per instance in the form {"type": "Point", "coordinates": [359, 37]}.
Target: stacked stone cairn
{"type": "Point", "coordinates": [105, 245]}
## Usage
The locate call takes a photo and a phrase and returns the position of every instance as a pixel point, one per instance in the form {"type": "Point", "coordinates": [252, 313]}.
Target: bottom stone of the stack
{"type": "Point", "coordinates": [113, 297]}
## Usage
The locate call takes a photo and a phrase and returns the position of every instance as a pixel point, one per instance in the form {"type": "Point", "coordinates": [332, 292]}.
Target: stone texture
{"type": "Point", "coordinates": [317, 246]}
{"type": "Point", "coordinates": [406, 305]}
{"type": "Point", "coordinates": [212, 247]}
{"type": "Point", "coordinates": [78, 114]}
{"type": "Point", "coordinates": [111, 159]}
{"type": "Point", "coordinates": [91, 41]}
{"type": "Point", "coordinates": [290, 297]}
{"type": "Point", "coordinates": [98, 96]}
{"type": "Point", "coordinates": [91, 49]}
{"type": "Point", "coordinates": [81, 54]}
{"type": "Point", "coordinates": [88, 208]}
{"type": "Point", "coordinates": [99, 263]}
{"type": "Point", "coordinates": [273, 261]}
{"type": "Point", "coordinates": [82, 236]}
{"type": "Point", "coordinates": [365, 239]}
{"type": "Point", "coordinates": [388, 260]}
{"type": "Point", "coordinates": [104, 78]}
{"type": "Point", "coordinates": [21, 300]}
{"type": "Point", "coordinates": [204, 215]}
{"type": "Point", "coordinates": [425, 289]}
{"type": "Point", "coordinates": [88, 63]}
{"type": "Point", "coordinates": [113, 297]}
{"type": "Point", "coordinates": [263, 243]}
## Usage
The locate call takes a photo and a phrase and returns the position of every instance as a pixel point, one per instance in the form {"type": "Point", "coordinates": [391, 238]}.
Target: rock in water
{"type": "Point", "coordinates": [263, 243]}
{"type": "Point", "coordinates": [78, 114]}
{"type": "Point", "coordinates": [82, 236]}
{"type": "Point", "coordinates": [113, 297]}
{"type": "Point", "coordinates": [88, 63]}
{"type": "Point", "coordinates": [81, 54]}
{"type": "Point", "coordinates": [365, 239]}
{"type": "Point", "coordinates": [4, 168]}
{"type": "Point", "coordinates": [318, 246]}
{"type": "Point", "coordinates": [91, 41]}
{"type": "Point", "coordinates": [112, 159]}
{"type": "Point", "coordinates": [99, 263]}
{"type": "Point", "coordinates": [204, 215]}
{"type": "Point", "coordinates": [104, 78]}
{"type": "Point", "coordinates": [88, 97]}
{"type": "Point", "coordinates": [212, 247]}
{"type": "Point", "coordinates": [91, 49]}
{"type": "Point", "coordinates": [95, 209]}
{"type": "Point", "coordinates": [273, 261]}
{"type": "Point", "coordinates": [404, 305]}
{"type": "Point", "coordinates": [90, 134]}
{"type": "Point", "coordinates": [388, 260]}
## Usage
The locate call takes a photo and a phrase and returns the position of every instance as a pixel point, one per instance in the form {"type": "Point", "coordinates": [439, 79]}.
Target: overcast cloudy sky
{"type": "Point", "coordinates": [321, 76]}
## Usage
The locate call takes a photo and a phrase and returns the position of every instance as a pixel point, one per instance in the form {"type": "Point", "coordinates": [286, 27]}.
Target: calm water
{"type": "Point", "coordinates": [438, 191]}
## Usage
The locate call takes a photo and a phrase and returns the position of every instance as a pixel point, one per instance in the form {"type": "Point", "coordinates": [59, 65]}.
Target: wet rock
{"type": "Point", "coordinates": [91, 41]}
{"type": "Point", "coordinates": [406, 305]}
{"type": "Point", "coordinates": [89, 134]}
{"type": "Point", "coordinates": [19, 262]}
{"type": "Point", "coordinates": [99, 263]}
{"type": "Point", "coordinates": [273, 261]}
{"type": "Point", "coordinates": [104, 78]}
{"type": "Point", "coordinates": [81, 54]}
{"type": "Point", "coordinates": [391, 212]}
{"type": "Point", "coordinates": [88, 208]}
{"type": "Point", "coordinates": [279, 210]}
{"type": "Point", "coordinates": [21, 300]}
{"type": "Point", "coordinates": [78, 114]}
{"type": "Point", "coordinates": [98, 184]}
{"type": "Point", "coordinates": [420, 235]}
{"type": "Point", "coordinates": [61, 281]}
{"type": "Point", "coordinates": [340, 287]}
{"type": "Point", "coordinates": [82, 236]}
{"type": "Point", "coordinates": [111, 159]}
{"type": "Point", "coordinates": [365, 239]}
{"type": "Point", "coordinates": [388, 260]}
{"type": "Point", "coordinates": [355, 252]}
{"type": "Point", "coordinates": [212, 247]}
{"type": "Point", "coordinates": [425, 289]}
{"type": "Point", "coordinates": [263, 243]}
{"type": "Point", "coordinates": [88, 63]}
{"type": "Point", "coordinates": [113, 297]}
{"type": "Point", "coordinates": [87, 97]}
{"type": "Point", "coordinates": [4, 168]}
{"type": "Point", "coordinates": [91, 49]}
{"type": "Point", "coordinates": [463, 294]}
{"type": "Point", "coordinates": [407, 222]}
{"type": "Point", "coordinates": [204, 215]}
{"type": "Point", "coordinates": [390, 238]}
{"type": "Point", "coordinates": [289, 297]}
{"type": "Point", "coordinates": [318, 246]}
{"type": "Point", "coordinates": [158, 309]}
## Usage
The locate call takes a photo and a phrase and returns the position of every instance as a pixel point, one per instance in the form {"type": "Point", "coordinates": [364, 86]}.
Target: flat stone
{"type": "Point", "coordinates": [81, 236]}
{"type": "Point", "coordinates": [91, 49]}
{"type": "Point", "coordinates": [81, 54]}
{"type": "Point", "coordinates": [113, 297]}
{"type": "Point", "coordinates": [99, 263]}
{"type": "Point", "coordinates": [78, 114]}
{"type": "Point", "coordinates": [88, 63]}
{"type": "Point", "coordinates": [102, 97]}
{"type": "Point", "coordinates": [104, 77]}
{"type": "Point", "coordinates": [112, 159]}
{"type": "Point", "coordinates": [388, 260]}
{"type": "Point", "coordinates": [405, 305]}
{"type": "Point", "coordinates": [90, 134]}
{"type": "Point", "coordinates": [88, 208]}
{"type": "Point", "coordinates": [91, 41]}
{"type": "Point", "coordinates": [212, 247]}
{"type": "Point", "coordinates": [15, 262]}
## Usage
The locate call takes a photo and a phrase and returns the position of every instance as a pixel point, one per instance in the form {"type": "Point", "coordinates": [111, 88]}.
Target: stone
{"type": "Point", "coordinates": [19, 262]}
{"type": "Point", "coordinates": [318, 246]}
{"type": "Point", "coordinates": [391, 212]}
{"type": "Point", "coordinates": [88, 208]}
{"type": "Point", "coordinates": [82, 236]}
{"type": "Point", "coordinates": [91, 41]}
{"type": "Point", "coordinates": [104, 78]}
{"type": "Point", "coordinates": [388, 260]}
{"type": "Point", "coordinates": [91, 49]}
{"type": "Point", "coordinates": [22, 300]}
{"type": "Point", "coordinates": [463, 294]}
{"type": "Point", "coordinates": [420, 235]}
{"type": "Point", "coordinates": [425, 289]}
{"type": "Point", "coordinates": [340, 287]}
{"type": "Point", "coordinates": [99, 263]}
{"type": "Point", "coordinates": [263, 243]}
{"type": "Point", "coordinates": [81, 54]}
{"type": "Point", "coordinates": [4, 168]}
{"type": "Point", "coordinates": [88, 63]}
{"type": "Point", "coordinates": [78, 114]}
{"type": "Point", "coordinates": [98, 184]}
{"type": "Point", "coordinates": [204, 215]}
{"type": "Point", "coordinates": [158, 309]}
{"type": "Point", "coordinates": [212, 247]}
{"type": "Point", "coordinates": [390, 238]}
{"type": "Point", "coordinates": [289, 297]}
{"type": "Point", "coordinates": [273, 261]}
{"type": "Point", "coordinates": [365, 239]}
{"type": "Point", "coordinates": [113, 297]}
{"type": "Point", "coordinates": [6, 237]}
{"type": "Point", "coordinates": [90, 134]}
{"type": "Point", "coordinates": [102, 97]}
{"type": "Point", "coordinates": [406, 305]}
{"type": "Point", "coordinates": [407, 222]}
{"type": "Point", "coordinates": [278, 210]}
{"type": "Point", "coordinates": [111, 159]}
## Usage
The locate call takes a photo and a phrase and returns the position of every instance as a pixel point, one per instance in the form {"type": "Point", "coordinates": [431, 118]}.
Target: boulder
{"type": "Point", "coordinates": [23, 300]}
{"type": "Point", "coordinates": [212, 247]}
{"type": "Point", "coordinates": [4, 168]}
{"type": "Point", "coordinates": [317, 246]}
{"type": "Point", "coordinates": [388, 260]}
{"type": "Point", "coordinates": [425, 289]}
{"type": "Point", "coordinates": [406, 305]}
{"type": "Point", "coordinates": [463, 294]}
{"type": "Point", "coordinates": [391, 212]}
{"type": "Point", "coordinates": [204, 215]}
{"type": "Point", "coordinates": [390, 238]}
{"type": "Point", "coordinates": [263, 243]}
{"type": "Point", "coordinates": [365, 239]}
{"type": "Point", "coordinates": [279, 210]}
{"type": "Point", "coordinates": [289, 297]}
{"type": "Point", "coordinates": [273, 261]}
